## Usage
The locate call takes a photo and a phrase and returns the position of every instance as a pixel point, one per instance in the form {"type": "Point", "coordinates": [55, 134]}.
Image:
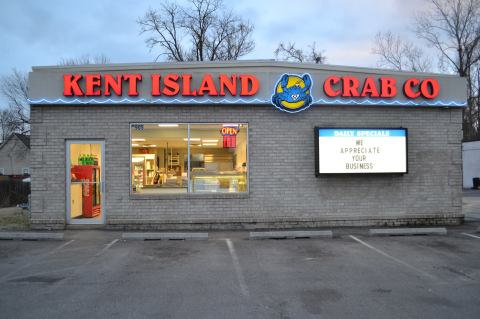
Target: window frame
{"type": "Point", "coordinates": [188, 194]}
{"type": "Point", "coordinates": [2, 171]}
{"type": "Point", "coordinates": [27, 169]}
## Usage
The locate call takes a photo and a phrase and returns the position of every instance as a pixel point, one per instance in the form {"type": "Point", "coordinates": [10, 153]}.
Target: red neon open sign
{"type": "Point", "coordinates": [229, 134]}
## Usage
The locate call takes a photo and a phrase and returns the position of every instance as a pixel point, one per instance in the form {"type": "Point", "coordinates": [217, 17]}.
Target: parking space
{"type": "Point", "coordinates": [349, 276]}
{"type": "Point", "coordinates": [344, 278]}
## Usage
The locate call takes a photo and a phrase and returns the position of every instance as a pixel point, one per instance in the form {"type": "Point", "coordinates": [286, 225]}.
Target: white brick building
{"type": "Point", "coordinates": [166, 162]}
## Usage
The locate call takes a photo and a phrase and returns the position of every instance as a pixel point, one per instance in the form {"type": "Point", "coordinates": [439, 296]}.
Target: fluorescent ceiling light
{"type": "Point", "coordinates": [152, 145]}
{"type": "Point", "coordinates": [135, 144]}
{"type": "Point", "coordinates": [194, 139]}
{"type": "Point", "coordinates": [137, 159]}
{"type": "Point", "coordinates": [210, 141]}
{"type": "Point", "coordinates": [168, 125]}
{"type": "Point", "coordinates": [138, 140]}
{"type": "Point", "coordinates": [230, 125]}
{"type": "Point", "coordinates": [209, 144]}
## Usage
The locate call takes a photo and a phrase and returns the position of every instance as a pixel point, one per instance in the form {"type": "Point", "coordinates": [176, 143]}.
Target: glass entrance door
{"type": "Point", "coordinates": [85, 180]}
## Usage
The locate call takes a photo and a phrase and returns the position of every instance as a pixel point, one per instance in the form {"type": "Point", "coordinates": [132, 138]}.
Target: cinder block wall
{"type": "Point", "coordinates": [284, 191]}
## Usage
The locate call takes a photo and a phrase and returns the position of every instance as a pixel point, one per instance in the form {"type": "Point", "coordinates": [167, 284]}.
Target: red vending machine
{"type": "Point", "coordinates": [89, 175]}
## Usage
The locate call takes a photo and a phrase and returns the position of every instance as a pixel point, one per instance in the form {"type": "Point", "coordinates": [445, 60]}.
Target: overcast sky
{"type": "Point", "coordinates": [43, 32]}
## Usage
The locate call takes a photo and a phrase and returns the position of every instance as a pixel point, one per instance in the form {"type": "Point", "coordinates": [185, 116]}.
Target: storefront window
{"type": "Point", "coordinates": [170, 158]}
{"type": "Point", "coordinates": [159, 158]}
{"type": "Point", "coordinates": [218, 158]}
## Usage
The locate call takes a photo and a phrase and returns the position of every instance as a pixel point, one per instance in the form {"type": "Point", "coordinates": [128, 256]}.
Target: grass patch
{"type": "Point", "coordinates": [14, 222]}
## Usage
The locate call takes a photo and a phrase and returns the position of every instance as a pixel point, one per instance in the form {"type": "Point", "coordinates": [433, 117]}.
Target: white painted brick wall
{"type": "Point", "coordinates": [281, 151]}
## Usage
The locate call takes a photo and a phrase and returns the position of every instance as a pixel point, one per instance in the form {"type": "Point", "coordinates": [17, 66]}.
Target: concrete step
{"type": "Point", "coordinates": [407, 231]}
{"type": "Point", "coordinates": [26, 235]}
{"type": "Point", "coordinates": [291, 234]}
{"type": "Point", "coordinates": [164, 236]}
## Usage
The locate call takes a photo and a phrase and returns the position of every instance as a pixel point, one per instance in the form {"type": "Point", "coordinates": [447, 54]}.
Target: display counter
{"type": "Point", "coordinates": [221, 182]}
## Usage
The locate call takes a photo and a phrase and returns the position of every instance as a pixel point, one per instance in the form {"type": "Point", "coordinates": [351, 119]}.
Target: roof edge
{"type": "Point", "coordinates": [237, 63]}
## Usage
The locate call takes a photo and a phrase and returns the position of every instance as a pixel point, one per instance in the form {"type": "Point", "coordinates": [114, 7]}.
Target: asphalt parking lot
{"type": "Point", "coordinates": [94, 274]}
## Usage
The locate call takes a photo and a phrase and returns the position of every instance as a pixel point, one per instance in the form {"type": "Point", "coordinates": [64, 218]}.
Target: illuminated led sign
{"type": "Point", "coordinates": [383, 87]}
{"type": "Point", "coordinates": [292, 91]}
{"type": "Point", "coordinates": [229, 134]}
{"type": "Point", "coordinates": [360, 150]}
{"type": "Point", "coordinates": [161, 85]}
{"type": "Point", "coordinates": [287, 92]}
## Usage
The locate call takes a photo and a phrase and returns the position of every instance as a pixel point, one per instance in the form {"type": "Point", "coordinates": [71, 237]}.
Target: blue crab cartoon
{"type": "Point", "coordinates": [292, 93]}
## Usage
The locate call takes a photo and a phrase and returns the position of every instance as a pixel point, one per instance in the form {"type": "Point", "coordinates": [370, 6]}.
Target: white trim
{"type": "Point", "coordinates": [69, 220]}
{"type": "Point", "coordinates": [318, 102]}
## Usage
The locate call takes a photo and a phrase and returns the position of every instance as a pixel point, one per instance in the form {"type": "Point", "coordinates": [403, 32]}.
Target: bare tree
{"type": "Point", "coordinates": [399, 54]}
{"type": "Point", "coordinates": [14, 88]}
{"type": "Point", "coordinates": [85, 59]}
{"type": "Point", "coordinates": [8, 124]}
{"type": "Point", "coordinates": [452, 27]}
{"type": "Point", "coordinates": [15, 117]}
{"type": "Point", "coordinates": [200, 31]}
{"type": "Point", "coordinates": [288, 52]}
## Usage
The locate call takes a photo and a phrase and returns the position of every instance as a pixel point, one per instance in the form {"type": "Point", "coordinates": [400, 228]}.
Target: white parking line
{"type": "Point", "coordinates": [238, 270]}
{"type": "Point", "coordinates": [470, 235]}
{"type": "Point", "coordinates": [80, 268]}
{"type": "Point", "coordinates": [110, 244]}
{"type": "Point", "coordinates": [38, 259]}
{"type": "Point", "coordinates": [69, 269]}
{"type": "Point", "coordinates": [381, 252]}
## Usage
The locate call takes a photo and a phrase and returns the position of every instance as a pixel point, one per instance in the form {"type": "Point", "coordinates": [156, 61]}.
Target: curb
{"type": "Point", "coordinates": [291, 234]}
{"type": "Point", "coordinates": [165, 236]}
{"type": "Point", "coordinates": [30, 236]}
{"type": "Point", "coordinates": [407, 231]}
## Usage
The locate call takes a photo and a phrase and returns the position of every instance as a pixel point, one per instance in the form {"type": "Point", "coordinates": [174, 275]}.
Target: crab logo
{"type": "Point", "coordinates": [292, 93]}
